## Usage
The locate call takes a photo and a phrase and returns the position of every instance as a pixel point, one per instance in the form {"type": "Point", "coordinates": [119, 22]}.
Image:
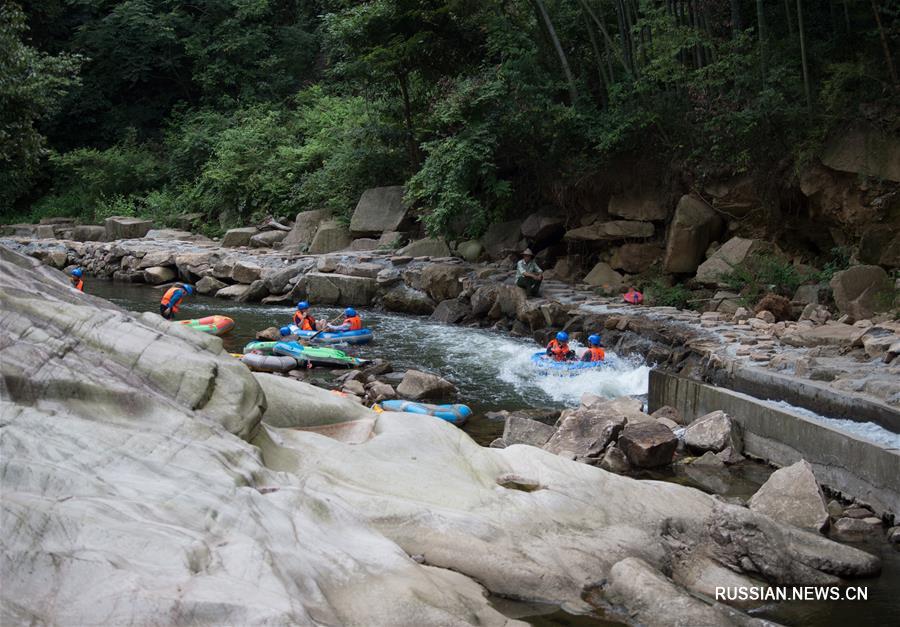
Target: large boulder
{"type": "Point", "coordinates": [407, 299]}
{"type": "Point", "coordinates": [648, 444]}
{"type": "Point", "coordinates": [643, 204]}
{"type": "Point", "coordinates": [280, 279]}
{"type": "Point", "coordinates": [233, 292]}
{"type": "Point", "coordinates": [379, 209]}
{"type": "Point", "coordinates": [603, 276]}
{"type": "Point", "coordinates": [157, 258]}
{"type": "Point", "coordinates": [304, 230]}
{"type": "Point", "coordinates": [159, 274]}
{"type": "Point", "coordinates": [209, 285]}
{"type": "Point", "coordinates": [417, 385]}
{"type": "Point", "coordinates": [234, 238]}
{"type": "Point", "coordinates": [89, 233]}
{"type": "Point", "coordinates": [470, 250]}
{"type": "Point", "coordinates": [339, 289]}
{"type": "Point", "coordinates": [330, 236]}
{"type": "Point", "coordinates": [828, 334]}
{"type": "Point", "coordinates": [502, 239]}
{"type": "Point", "coordinates": [733, 252]}
{"type": "Point", "coordinates": [634, 258]}
{"type": "Point", "coordinates": [792, 495]}
{"type": "Point", "coordinates": [442, 281]}
{"type": "Point", "coordinates": [268, 239]}
{"type": "Point", "coordinates": [541, 228]}
{"type": "Point", "coordinates": [191, 266]}
{"type": "Point", "coordinates": [428, 247]}
{"type": "Point", "coordinates": [714, 432]}
{"type": "Point", "coordinates": [860, 291]}
{"type": "Point", "coordinates": [450, 311]}
{"type": "Point", "coordinates": [880, 245]}
{"type": "Point", "coordinates": [245, 272]}
{"type": "Point", "coordinates": [119, 227]}
{"type": "Point", "coordinates": [693, 228]}
{"type": "Point", "coordinates": [483, 299]}
{"type": "Point", "coordinates": [864, 150]}
{"type": "Point", "coordinates": [521, 430]}
{"type": "Point", "coordinates": [612, 230]}
{"type": "Point", "coordinates": [585, 432]}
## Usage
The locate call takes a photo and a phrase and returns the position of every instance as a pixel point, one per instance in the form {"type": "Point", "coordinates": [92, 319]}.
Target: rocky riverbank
{"type": "Point", "coordinates": [143, 460]}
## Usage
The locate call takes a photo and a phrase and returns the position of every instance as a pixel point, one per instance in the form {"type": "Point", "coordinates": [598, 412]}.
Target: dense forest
{"type": "Point", "coordinates": [482, 108]}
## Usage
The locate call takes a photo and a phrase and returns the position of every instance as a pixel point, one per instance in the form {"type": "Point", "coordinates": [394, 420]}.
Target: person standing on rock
{"type": "Point", "coordinates": [528, 274]}
{"type": "Point", "coordinates": [173, 297]}
{"type": "Point", "coordinates": [595, 350]}
{"type": "Point", "coordinates": [76, 279]}
{"type": "Point", "coordinates": [558, 348]}
{"type": "Point", "coordinates": [352, 322]}
{"type": "Point", "coordinates": [302, 319]}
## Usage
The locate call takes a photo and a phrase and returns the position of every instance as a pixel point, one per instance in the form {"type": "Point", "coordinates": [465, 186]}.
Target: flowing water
{"type": "Point", "coordinates": [492, 372]}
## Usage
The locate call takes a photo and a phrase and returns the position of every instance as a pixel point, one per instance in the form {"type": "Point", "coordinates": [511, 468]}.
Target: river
{"type": "Point", "coordinates": [492, 372]}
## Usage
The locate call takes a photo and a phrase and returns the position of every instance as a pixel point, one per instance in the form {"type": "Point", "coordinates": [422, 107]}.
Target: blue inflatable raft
{"type": "Point", "coordinates": [362, 336]}
{"type": "Point", "coordinates": [545, 365]}
{"type": "Point", "coordinates": [456, 414]}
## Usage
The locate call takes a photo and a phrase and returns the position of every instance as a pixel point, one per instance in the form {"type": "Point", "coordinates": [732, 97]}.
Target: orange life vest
{"type": "Point", "coordinates": [78, 285]}
{"type": "Point", "coordinates": [634, 297]}
{"type": "Point", "coordinates": [355, 323]}
{"type": "Point", "coordinates": [167, 297]}
{"type": "Point", "coordinates": [597, 353]}
{"type": "Point", "coordinates": [303, 321]}
{"type": "Point", "coordinates": [559, 351]}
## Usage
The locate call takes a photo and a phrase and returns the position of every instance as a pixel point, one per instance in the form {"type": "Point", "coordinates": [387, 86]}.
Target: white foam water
{"type": "Point", "coordinates": [865, 430]}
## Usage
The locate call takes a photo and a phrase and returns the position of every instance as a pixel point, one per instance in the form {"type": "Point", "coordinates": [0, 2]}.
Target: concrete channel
{"type": "Point", "coordinates": [857, 468]}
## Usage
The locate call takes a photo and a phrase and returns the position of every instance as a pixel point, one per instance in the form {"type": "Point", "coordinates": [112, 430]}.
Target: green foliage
{"type": "Point", "coordinates": [762, 274]}
{"type": "Point", "coordinates": [661, 294]}
{"type": "Point", "coordinates": [840, 260]}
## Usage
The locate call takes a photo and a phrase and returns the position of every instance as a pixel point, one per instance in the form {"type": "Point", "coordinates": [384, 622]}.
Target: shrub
{"type": "Point", "coordinates": [662, 295]}
{"type": "Point", "coordinates": [760, 274]}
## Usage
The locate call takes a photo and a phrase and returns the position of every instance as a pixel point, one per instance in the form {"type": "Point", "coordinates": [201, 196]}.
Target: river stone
{"type": "Point", "coordinates": [605, 277]}
{"type": "Point", "coordinates": [855, 529]}
{"type": "Point", "coordinates": [584, 432]}
{"type": "Point", "coordinates": [648, 444]}
{"type": "Point", "coordinates": [828, 334]}
{"type": "Point", "coordinates": [502, 239]}
{"type": "Point", "coordinates": [417, 385]}
{"type": "Point", "coordinates": [120, 227]}
{"type": "Point", "coordinates": [612, 230]}
{"type": "Point", "coordinates": [278, 280]}
{"type": "Point", "coordinates": [330, 236]}
{"type": "Point", "coordinates": [614, 460]}
{"type": "Point", "coordinates": [428, 247]}
{"type": "Point", "coordinates": [735, 251]}
{"type": "Point", "coordinates": [470, 250]}
{"type": "Point", "coordinates": [233, 292]}
{"type": "Point", "coordinates": [340, 289]}
{"type": "Point", "coordinates": [362, 244]}
{"type": "Point", "coordinates": [713, 432]}
{"type": "Point", "coordinates": [442, 281]}
{"type": "Point", "coordinates": [245, 272]}
{"type": "Point", "coordinates": [519, 430]}
{"type": "Point", "coordinates": [865, 150]}
{"type": "Point", "coordinates": [641, 204]}
{"type": "Point", "coordinates": [542, 228]}
{"type": "Point", "coordinates": [89, 233]}
{"type": "Point", "coordinates": [860, 291]}
{"type": "Point", "coordinates": [791, 495]}
{"type": "Point", "coordinates": [159, 274]}
{"type": "Point", "coordinates": [359, 268]}
{"type": "Point", "coordinates": [379, 391]}
{"type": "Point", "coordinates": [165, 413]}
{"type": "Point", "coordinates": [693, 228]}
{"type": "Point", "coordinates": [379, 209]}
{"type": "Point", "coordinates": [405, 299]}
{"type": "Point", "coordinates": [175, 234]}
{"type": "Point", "coordinates": [636, 257]}
{"type": "Point", "coordinates": [304, 230]}
{"type": "Point", "coordinates": [209, 285]}
{"type": "Point", "coordinates": [234, 238]}
{"type": "Point", "coordinates": [256, 292]}
{"type": "Point", "coordinates": [156, 258]}
{"type": "Point", "coordinates": [267, 239]}
{"type": "Point", "coordinates": [483, 299]}
{"type": "Point", "coordinates": [450, 311]}
{"type": "Point", "coordinates": [667, 411]}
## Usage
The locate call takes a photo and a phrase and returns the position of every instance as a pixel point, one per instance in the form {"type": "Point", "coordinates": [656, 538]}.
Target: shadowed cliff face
{"type": "Point", "coordinates": [131, 495]}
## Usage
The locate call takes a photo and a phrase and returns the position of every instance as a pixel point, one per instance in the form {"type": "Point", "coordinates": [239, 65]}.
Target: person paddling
{"type": "Point", "coordinates": [174, 296]}
{"type": "Point", "coordinates": [558, 348]}
{"type": "Point", "coordinates": [595, 350]}
{"type": "Point", "coordinates": [76, 279]}
{"type": "Point", "coordinates": [633, 297]}
{"type": "Point", "coordinates": [352, 322]}
{"type": "Point", "coordinates": [302, 317]}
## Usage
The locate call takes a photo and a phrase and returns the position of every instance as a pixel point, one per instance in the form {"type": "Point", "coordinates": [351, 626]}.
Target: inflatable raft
{"type": "Point", "coordinates": [268, 363]}
{"type": "Point", "coordinates": [456, 414]}
{"type": "Point", "coordinates": [265, 348]}
{"type": "Point", "coordinates": [215, 325]}
{"type": "Point", "coordinates": [362, 336]}
{"type": "Point", "coordinates": [545, 365]}
{"type": "Point", "coordinates": [317, 356]}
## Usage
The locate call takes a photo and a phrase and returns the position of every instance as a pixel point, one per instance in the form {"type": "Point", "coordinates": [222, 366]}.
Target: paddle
{"type": "Point", "coordinates": [325, 328]}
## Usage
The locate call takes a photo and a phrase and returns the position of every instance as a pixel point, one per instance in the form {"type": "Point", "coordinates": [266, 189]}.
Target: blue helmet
{"type": "Point", "coordinates": [77, 272]}
{"type": "Point", "coordinates": [594, 340]}
{"type": "Point", "coordinates": [349, 312]}
{"type": "Point", "coordinates": [302, 305]}
{"type": "Point", "coordinates": [189, 289]}
{"type": "Point", "coordinates": [284, 331]}
{"type": "Point", "coordinates": [562, 336]}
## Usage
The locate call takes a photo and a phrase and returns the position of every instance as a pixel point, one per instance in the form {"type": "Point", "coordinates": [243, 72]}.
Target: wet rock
{"type": "Point", "coordinates": [379, 209]}
{"type": "Point", "coordinates": [635, 258]}
{"type": "Point", "coordinates": [855, 529]}
{"type": "Point", "coordinates": [613, 230]}
{"type": "Point", "coordinates": [89, 233]}
{"type": "Point", "coordinates": [502, 239]}
{"type": "Point", "coordinates": [667, 411]}
{"type": "Point", "coordinates": [693, 228]}
{"type": "Point", "coordinates": [713, 432]}
{"type": "Point", "coordinates": [614, 460]}
{"type": "Point", "coordinates": [602, 275]}
{"type": "Point", "coordinates": [417, 385]}
{"type": "Point", "coordinates": [585, 432]}
{"type": "Point", "coordinates": [730, 456]}
{"type": "Point", "coordinates": [267, 239]}
{"type": "Point", "coordinates": [355, 387]}
{"type": "Point", "coordinates": [648, 444]}
{"type": "Point", "coordinates": [792, 495]}
{"type": "Point", "coordinates": [359, 268]}
{"type": "Point", "coordinates": [709, 459]}
{"type": "Point", "coordinates": [377, 367]}
{"type": "Point", "coordinates": [428, 247]}
{"type": "Point", "coordinates": [233, 292]}
{"type": "Point", "coordinates": [388, 276]}
{"type": "Point", "coordinates": [470, 250]}
{"type": "Point", "coordinates": [209, 285]}
{"type": "Point", "coordinates": [519, 430]}
{"type": "Point", "coordinates": [269, 334]}
{"type": "Point", "coordinates": [450, 311]}
{"type": "Point", "coordinates": [304, 230]}
{"type": "Point", "coordinates": [119, 227]}
{"type": "Point", "coordinates": [545, 415]}
{"type": "Point", "coordinates": [159, 274]}
{"type": "Point", "coordinates": [483, 299]}
{"type": "Point", "coordinates": [330, 236]}
{"type": "Point", "coordinates": [442, 281]}
{"type": "Point", "coordinates": [245, 272]}
{"type": "Point", "coordinates": [406, 299]}
{"type": "Point", "coordinates": [279, 280]}
{"type": "Point", "coordinates": [235, 238]}
{"type": "Point", "coordinates": [255, 293]}
{"type": "Point", "coordinates": [735, 251]}
{"type": "Point", "coordinates": [339, 289]}
{"type": "Point", "coordinates": [860, 291]}
{"type": "Point", "coordinates": [379, 391]}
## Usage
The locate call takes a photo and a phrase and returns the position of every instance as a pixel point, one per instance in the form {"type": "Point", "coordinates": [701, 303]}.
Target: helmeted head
{"type": "Point", "coordinates": [349, 312]}
{"type": "Point", "coordinates": [594, 340]}
{"type": "Point", "coordinates": [284, 331]}
{"type": "Point", "coordinates": [189, 289]}
{"type": "Point", "coordinates": [77, 273]}
{"type": "Point", "coordinates": [562, 336]}
{"type": "Point", "coordinates": [302, 305]}
{"type": "Point", "coordinates": [527, 253]}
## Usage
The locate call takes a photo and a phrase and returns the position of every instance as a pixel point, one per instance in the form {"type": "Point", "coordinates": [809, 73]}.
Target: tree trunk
{"type": "Point", "coordinates": [563, 61]}
{"type": "Point", "coordinates": [607, 40]}
{"type": "Point", "coordinates": [787, 15]}
{"type": "Point", "coordinates": [737, 24]}
{"type": "Point", "coordinates": [884, 43]}
{"type": "Point", "coordinates": [604, 80]}
{"type": "Point", "coordinates": [761, 30]}
{"type": "Point", "coordinates": [412, 146]}
{"type": "Point", "coordinates": [806, 89]}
